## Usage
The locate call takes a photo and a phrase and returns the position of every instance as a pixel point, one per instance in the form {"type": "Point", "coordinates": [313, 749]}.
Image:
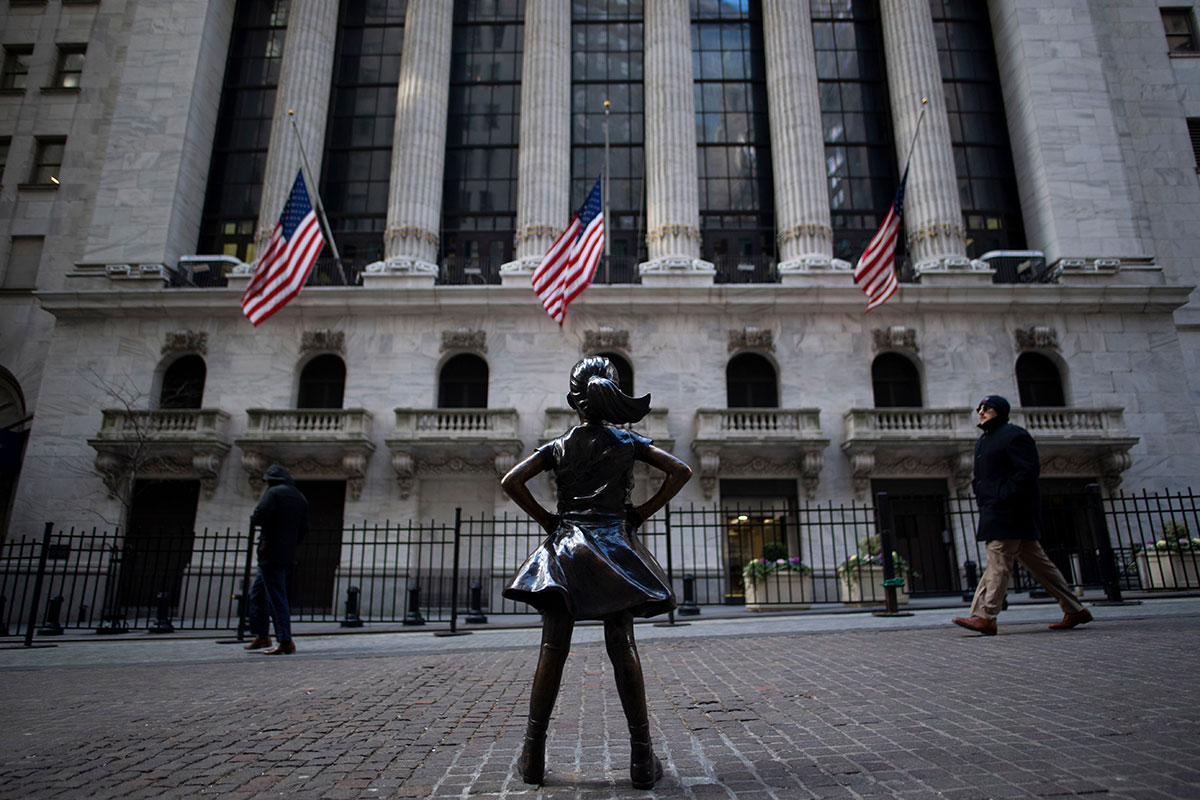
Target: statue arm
{"type": "Point", "coordinates": [678, 473]}
{"type": "Point", "coordinates": [514, 485]}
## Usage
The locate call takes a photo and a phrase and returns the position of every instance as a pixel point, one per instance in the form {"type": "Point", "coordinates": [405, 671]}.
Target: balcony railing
{"type": "Point", "coordinates": [307, 424]}
{"type": "Point", "coordinates": [1065, 423]}
{"type": "Point", "coordinates": [732, 424]}
{"type": "Point", "coordinates": [417, 424]}
{"type": "Point", "coordinates": [208, 272]}
{"type": "Point", "coordinates": [126, 425]}
{"type": "Point", "coordinates": [745, 269]}
{"type": "Point", "coordinates": [909, 424]}
{"type": "Point", "coordinates": [469, 272]}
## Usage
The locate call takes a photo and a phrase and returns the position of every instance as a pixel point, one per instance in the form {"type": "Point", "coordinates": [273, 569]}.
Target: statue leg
{"type": "Point", "coordinates": [644, 767]}
{"type": "Point", "coordinates": [557, 626]}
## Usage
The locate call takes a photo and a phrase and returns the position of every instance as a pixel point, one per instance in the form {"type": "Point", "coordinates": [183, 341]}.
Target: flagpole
{"type": "Point", "coordinates": [316, 196]}
{"type": "Point", "coordinates": [913, 144]}
{"type": "Point", "coordinates": [607, 220]}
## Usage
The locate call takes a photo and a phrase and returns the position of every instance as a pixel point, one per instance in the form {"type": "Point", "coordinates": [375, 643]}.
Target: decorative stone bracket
{"type": "Point", "coordinates": [350, 466]}
{"type": "Point", "coordinates": [408, 467]}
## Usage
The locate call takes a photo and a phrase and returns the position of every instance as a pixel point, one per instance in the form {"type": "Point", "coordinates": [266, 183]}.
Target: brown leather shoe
{"type": "Point", "coordinates": [259, 643]}
{"type": "Point", "coordinates": [1071, 619]}
{"type": "Point", "coordinates": [978, 624]}
{"type": "Point", "coordinates": [281, 649]}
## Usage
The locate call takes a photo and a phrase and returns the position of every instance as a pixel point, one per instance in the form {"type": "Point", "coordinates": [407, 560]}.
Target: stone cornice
{"type": "Point", "coordinates": [628, 298]}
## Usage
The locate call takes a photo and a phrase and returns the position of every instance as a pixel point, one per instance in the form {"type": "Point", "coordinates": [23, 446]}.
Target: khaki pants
{"type": "Point", "coordinates": [1001, 554]}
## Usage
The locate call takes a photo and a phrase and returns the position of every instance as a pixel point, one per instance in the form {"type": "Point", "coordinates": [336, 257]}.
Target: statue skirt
{"type": "Point", "coordinates": [594, 566]}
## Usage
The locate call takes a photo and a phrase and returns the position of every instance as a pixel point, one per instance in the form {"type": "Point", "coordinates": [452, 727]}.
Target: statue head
{"type": "Point", "coordinates": [597, 396]}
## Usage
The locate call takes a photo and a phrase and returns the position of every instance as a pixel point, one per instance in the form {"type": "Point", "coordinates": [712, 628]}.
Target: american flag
{"type": "Point", "coordinates": [295, 244]}
{"type": "Point", "coordinates": [569, 264]}
{"type": "Point", "coordinates": [876, 270]}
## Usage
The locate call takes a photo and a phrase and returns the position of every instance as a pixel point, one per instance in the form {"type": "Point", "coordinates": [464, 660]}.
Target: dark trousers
{"type": "Point", "coordinates": [268, 595]}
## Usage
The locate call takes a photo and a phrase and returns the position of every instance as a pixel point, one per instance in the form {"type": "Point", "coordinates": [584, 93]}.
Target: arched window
{"type": "Point", "coordinates": [750, 382]}
{"type": "Point", "coordinates": [1038, 381]}
{"type": "Point", "coordinates": [322, 383]}
{"type": "Point", "coordinates": [624, 371]}
{"type": "Point", "coordinates": [896, 382]}
{"type": "Point", "coordinates": [183, 383]}
{"type": "Point", "coordinates": [463, 382]}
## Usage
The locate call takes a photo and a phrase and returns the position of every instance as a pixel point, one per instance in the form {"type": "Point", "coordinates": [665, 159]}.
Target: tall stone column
{"type": "Point", "coordinates": [932, 212]}
{"type": "Point", "coordinates": [672, 177]}
{"type": "Point", "coordinates": [419, 141]}
{"type": "Point", "coordinates": [544, 158]}
{"type": "Point", "coordinates": [305, 77]}
{"type": "Point", "coordinates": [797, 140]}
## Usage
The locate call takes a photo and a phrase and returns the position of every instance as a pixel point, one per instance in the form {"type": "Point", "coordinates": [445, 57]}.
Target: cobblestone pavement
{"type": "Point", "coordinates": [785, 707]}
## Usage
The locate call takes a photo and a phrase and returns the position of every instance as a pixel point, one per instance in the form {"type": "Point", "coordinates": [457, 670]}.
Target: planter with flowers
{"type": "Point", "coordinates": [861, 575]}
{"type": "Point", "coordinates": [1171, 562]}
{"type": "Point", "coordinates": [776, 582]}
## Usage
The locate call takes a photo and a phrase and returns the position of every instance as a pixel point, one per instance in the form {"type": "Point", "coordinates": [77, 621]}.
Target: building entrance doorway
{"type": "Point", "coordinates": [758, 516]}
{"type": "Point", "coordinates": [311, 583]}
{"type": "Point", "coordinates": [158, 541]}
{"type": "Point", "coordinates": [922, 534]}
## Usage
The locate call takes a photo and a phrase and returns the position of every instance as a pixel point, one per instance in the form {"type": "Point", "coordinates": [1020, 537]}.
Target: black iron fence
{"type": "Point", "coordinates": [764, 557]}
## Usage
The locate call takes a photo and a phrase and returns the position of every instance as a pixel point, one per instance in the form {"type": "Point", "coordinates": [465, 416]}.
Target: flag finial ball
{"type": "Point", "coordinates": [292, 113]}
{"type": "Point", "coordinates": [924, 100]}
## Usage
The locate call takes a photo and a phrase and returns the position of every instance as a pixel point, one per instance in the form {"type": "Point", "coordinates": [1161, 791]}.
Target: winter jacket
{"type": "Point", "coordinates": [282, 514]}
{"type": "Point", "coordinates": [1006, 482]}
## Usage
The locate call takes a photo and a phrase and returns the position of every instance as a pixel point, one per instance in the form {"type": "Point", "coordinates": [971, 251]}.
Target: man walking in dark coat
{"type": "Point", "coordinates": [1006, 491]}
{"type": "Point", "coordinates": [282, 516]}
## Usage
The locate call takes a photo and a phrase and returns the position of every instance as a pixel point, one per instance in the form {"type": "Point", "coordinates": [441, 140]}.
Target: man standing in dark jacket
{"type": "Point", "coordinates": [1006, 491]}
{"type": "Point", "coordinates": [282, 517]}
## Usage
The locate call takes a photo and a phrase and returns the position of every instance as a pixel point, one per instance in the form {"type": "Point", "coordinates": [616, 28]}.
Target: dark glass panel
{"type": "Point", "coordinates": [463, 382]}
{"type": "Point", "coordinates": [322, 383]}
{"type": "Point", "coordinates": [895, 381]}
{"type": "Point", "coordinates": [1038, 381]}
{"type": "Point", "coordinates": [751, 382]}
{"type": "Point", "coordinates": [183, 383]}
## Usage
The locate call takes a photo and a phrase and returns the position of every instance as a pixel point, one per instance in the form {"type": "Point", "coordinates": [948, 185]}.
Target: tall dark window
{"type": "Point", "coordinates": [5, 143]}
{"type": "Point", "coordinates": [362, 114]}
{"type": "Point", "coordinates": [1180, 29]}
{"type": "Point", "coordinates": [606, 64]}
{"type": "Point", "coordinates": [183, 383]}
{"type": "Point", "coordinates": [47, 160]}
{"type": "Point", "coordinates": [239, 156]}
{"type": "Point", "coordinates": [479, 197]}
{"type": "Point", "coordinates": [751, 382]}
{"type": "Point", "coordinates": [737, 195]}
{"type": "Point", "coordinates": [69, 67]}
{"type": "Point", "coordinates": [322, 383]}
{"type": "Point", "coordinates": [463, 382]}
{"type": "Point", "coordinates": [859, 151]}
{"type": "Point", "coordinates": [15, 71]}
{"type": "Point", "coordinates": [895, 381]}
{"type": "Point", "coordinates": [987, 186]}
{"type": "Point", "coordinates": [1038, 381]}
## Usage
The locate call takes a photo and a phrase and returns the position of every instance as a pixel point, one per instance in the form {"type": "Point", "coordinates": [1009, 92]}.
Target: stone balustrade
{"type": "Point", "coordinates": [454, 423]}
{"type": "Point", "coordinates": [120, 424]}
{"type": "Point", "coordinates": [757, 423]}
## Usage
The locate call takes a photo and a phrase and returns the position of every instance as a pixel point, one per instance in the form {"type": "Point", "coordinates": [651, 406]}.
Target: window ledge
{"type": "Point", "coordinates": [1178, 54]}
{"type": "Point", "coordinates": [60, 90]}
{"type": "Point", "coordinates": [37, 187]}
{"type": "Point", "coordinates": [11, 92]}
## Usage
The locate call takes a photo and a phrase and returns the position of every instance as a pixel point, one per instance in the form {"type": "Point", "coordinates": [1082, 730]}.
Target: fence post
{"type": "Point", "coordinates": [244, 600]}
{"type": "Point", "coordinates": [37, 583]}
{"type": "Point", "coordinates": [454, 631]}
{"type": "Point", "coordinates": [688, 607]}
{"type": "Point", "coordinates": [112, 617]}
{"type": "Point", "coordinates": [3, 619]}
{"type": "Point", "coordinates": [971, 570]}
{"type": "Point", "coordinates": [883, 522]}
{"type": "Point", "coordinates": [670, 562]}
{"type": "Point", "coordinates": [476, 605]}
{"type": "Point", "coordinates": [1108, 561]}
{"type": "Point", "coordinates": [52, 625]}
{"type": "Point", "coordinates": [352, 619]}
{"type": "Point", "coordinates": [413, 617]}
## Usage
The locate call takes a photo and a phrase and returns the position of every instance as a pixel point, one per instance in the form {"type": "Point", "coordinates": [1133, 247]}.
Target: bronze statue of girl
{"type": "Point", "coordinates": [593, 565]}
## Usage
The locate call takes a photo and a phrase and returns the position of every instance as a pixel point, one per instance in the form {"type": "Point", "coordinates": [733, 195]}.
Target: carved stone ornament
{"type": "Point", "coordinates": [605, 339]}
{"type": "Point", "coordinates": [186, 342]}
{"type": "Point", "coordinates": [350, 467]}
{"type": "Point", "coordinates": [323, 341]}
{"type": "Point", "coordinates": [464, 339]}
{"type": "Point", "coordinates": [897, 337]}
{"type": "Point", "coordinates": [751, 337]}
{"type": "Point", "coordinates": [1037, 337]}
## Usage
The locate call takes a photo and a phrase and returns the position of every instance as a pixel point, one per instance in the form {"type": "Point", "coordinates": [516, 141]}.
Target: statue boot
{"type": "Point", "coordinates": [533, 755]}
{"type": "Point", "coordinates": [645, 769]}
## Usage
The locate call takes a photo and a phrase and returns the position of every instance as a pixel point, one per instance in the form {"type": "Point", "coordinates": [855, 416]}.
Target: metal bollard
{"type": "Point", "coordinates": [970, 568]}
{"type": "Point", "coordinates": [162, 622]}
{"type": "Point", "coordinates": [476, 616]}
{"type": "Point", "coordinates": [689, 608]}
{"type": "Point", "coordinates": [52, 627]}
{"type": "Point", "coordinates": [352, 620]}
{"type": "Point", "coordinates": [3, 619]}
{"type": "Point", "coordinates": [413, 617]}
{"type": "Point", "coordinates": [83, 614]}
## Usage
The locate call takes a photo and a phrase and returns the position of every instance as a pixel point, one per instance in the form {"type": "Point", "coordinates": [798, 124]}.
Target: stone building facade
{"type": "Point", "coordinates": [115, 120]}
